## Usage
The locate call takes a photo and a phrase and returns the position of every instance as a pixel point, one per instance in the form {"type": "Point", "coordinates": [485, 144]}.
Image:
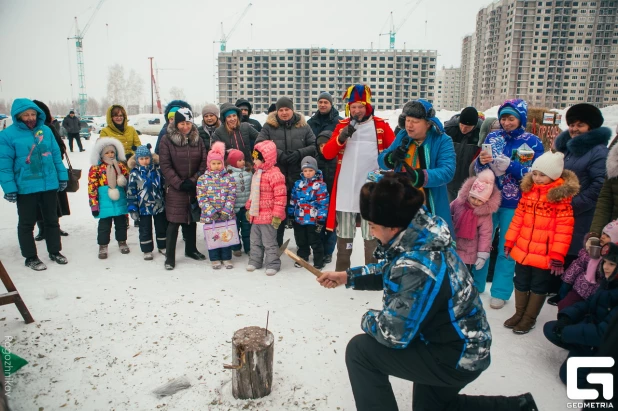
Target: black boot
{"type": "Point", "coordinates": [170, 247]}
{"type": "Point", "coordinates": [41, 235]}
{"type": "Point", "coordinates": [59, 258]}
{"type": "Point", "coordinates": [63, 233]}
{"type": "Point", "coordinates": [551, 301]}
{"type": "Point", "coordinates": [526, 402]}
{"type": "Point", "coordinates": [35, 264]}
{"type": "Point", "coordinates": [190, 240]}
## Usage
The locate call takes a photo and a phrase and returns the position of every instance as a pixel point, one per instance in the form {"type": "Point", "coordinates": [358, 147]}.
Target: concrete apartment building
{"type": "Point", "coordinates": [262, 76]}
{"type": "Point", "coordinates": [550, 53]}
{"type": "Point", "coordinates": [466, 80]}
{"type": "Point", "coordinates": [448, 89]}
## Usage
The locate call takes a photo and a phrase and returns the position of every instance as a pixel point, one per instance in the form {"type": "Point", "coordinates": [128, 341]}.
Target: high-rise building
{"type": "Point", "coordinates": [448, 89]}
{"type": "Point", "coordinates": [466, 81]}
{"type": "Point", "coordinates": [262, 76]}
{"type": "Point", "coordinates": [550, 53]}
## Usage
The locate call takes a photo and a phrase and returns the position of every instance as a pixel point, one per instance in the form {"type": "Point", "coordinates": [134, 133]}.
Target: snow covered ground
{"type": "Point", "coordinates": [108, 332]}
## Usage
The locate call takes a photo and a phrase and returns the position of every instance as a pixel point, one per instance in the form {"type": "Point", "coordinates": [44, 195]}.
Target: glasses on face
{"type": "Point", "coordinates": [117, 116]}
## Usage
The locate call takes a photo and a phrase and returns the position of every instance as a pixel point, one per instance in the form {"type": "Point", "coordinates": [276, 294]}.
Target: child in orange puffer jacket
{"type": "Point", "coordinates": [539, 236]}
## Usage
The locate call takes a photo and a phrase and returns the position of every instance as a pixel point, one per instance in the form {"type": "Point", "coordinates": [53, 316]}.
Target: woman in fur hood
{"type": "Point", "coordinates": [107, 180]}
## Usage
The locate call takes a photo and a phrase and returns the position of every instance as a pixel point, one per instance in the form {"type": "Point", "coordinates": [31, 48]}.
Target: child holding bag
{"type": "Point", "coordinates": [216, 195]}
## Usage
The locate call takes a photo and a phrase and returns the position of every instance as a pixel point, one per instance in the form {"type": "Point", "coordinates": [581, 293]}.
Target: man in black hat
{"type": "Point", "coordinates": [327, 117]}
{"type": "Point", "coordinates": [246, 109]}
{"type": "Point", "coordinates": [72, 127]}
{"type": "Point", "coordinates": [464, 129]}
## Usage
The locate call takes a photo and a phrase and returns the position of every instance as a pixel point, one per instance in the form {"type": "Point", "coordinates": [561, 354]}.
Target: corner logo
{"type": "Point", "coordinates": [606, 380]}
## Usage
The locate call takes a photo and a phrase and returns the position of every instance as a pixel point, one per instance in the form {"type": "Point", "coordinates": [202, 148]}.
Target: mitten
{"type": "Point", "coordinates": [289, 222]}
{"type": "Point", "coordinates": [319, 227]}
{"type": "Point", "coordinates": [591, 240]}
{"type": "Point", "coordinates": [11, 197]}
{"type": "Point", "coordinates": [95, 213]}
{"type": "Point", "coordinates": [500, 164]}
{"type": "Point", "coordinates": [416, 176]}
{"type": "Point", "coordinates": [62, 185]}
{"type": "Point", "coordinates": [223, 216]}
{"type": "Point", "coordinates": [134, 215]}
{"type": "Point", "coordinates": [556, 267]}
{"type": "Point", "coordinates": [397, 156]}
{"type": "Point", "coordinates": [276, 222]}
{"type": "Point", "coordinates": [507, 251]}
{"type": "Point", "coordinates": [481, 258]}
{"type": "Point", "coordinates": [346, 133]}
{"type": "Point", "coordinates": [187, 186]}
{"type": "Point", "coordinates": [293, 157]}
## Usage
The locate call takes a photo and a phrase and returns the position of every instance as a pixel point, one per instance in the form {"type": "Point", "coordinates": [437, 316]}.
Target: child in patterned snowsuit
{"type": "Point", "coordinates": [145, 199]}
{"type": "Point", "coordinates": [242, 175]}
{"type": "Point", "coordinates": [216, 195]}
{"type": "Point", "coordinates": [307, 211]}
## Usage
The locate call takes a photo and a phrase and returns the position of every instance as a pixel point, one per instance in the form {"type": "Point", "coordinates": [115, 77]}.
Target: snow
{"type": "Point", "coordinates": [108, 332]}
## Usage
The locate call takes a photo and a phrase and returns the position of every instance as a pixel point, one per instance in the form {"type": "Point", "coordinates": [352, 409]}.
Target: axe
{"type": "Point", "coordinates": [281, 249]}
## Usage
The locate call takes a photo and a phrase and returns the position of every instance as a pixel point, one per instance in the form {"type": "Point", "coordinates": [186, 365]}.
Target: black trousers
{"type": "Point", "coordinates": [244, 231]}
{"type": "Point", "coordinates": [27, 205]}
{"type": "Point", "coordinates": [145, 232]}
{"type": "Point", "coordinates": [436, 386]}
{"type": "Point", "coordinates": [75, 136]}
{"type": "Point", "coordinates": [105, 229]}
{"type": "Point", "coordinates": [189, 234]}
{"type": "Point", "coordinates": [533, 279]}
{"type": "Point", "coordinates": [575, 350]}
{"type": "Point", "coordinates": [306, 237]}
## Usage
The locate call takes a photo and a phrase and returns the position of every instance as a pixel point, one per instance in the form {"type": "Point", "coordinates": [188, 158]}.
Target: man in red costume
{"type": "Point", "coordinates": [356, 142]}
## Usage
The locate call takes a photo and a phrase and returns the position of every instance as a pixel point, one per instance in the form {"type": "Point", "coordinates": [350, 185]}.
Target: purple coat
{"type": "Point", "coordinates": [468, 249]}
{"type": "Point", "coordinates": [576, 275]}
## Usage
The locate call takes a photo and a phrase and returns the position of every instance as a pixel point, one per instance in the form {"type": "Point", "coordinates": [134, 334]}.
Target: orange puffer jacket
{"type": "Point", "coordinates": [542, 227]}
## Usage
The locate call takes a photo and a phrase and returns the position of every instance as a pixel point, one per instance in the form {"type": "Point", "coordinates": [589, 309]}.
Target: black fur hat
{"type": "Point", "coordinates": [586, 113]}
{"type": "Point", "coordinates": [391, 202]}
{"type": "Point", "coordinates": [415, 109]}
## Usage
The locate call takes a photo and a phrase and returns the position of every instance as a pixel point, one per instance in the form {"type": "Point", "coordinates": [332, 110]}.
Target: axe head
{"type": "Point", "coordinates": [283, 247]}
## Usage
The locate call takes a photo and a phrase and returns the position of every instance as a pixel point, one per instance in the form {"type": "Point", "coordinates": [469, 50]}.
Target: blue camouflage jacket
{"type": "Point", "coordinates": [309, 200]}
{"type": "Point", "coordinates": [145, 188]}
{"type": "Point", "coordinates": [428, 296]}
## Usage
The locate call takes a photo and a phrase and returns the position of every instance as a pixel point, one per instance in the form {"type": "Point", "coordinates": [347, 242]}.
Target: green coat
{"type": "Point", "coordinates": [607, 203]}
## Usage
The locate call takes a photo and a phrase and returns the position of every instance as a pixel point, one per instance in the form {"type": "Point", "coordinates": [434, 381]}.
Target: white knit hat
{"type": "Point", "coordinates": [551, 164]}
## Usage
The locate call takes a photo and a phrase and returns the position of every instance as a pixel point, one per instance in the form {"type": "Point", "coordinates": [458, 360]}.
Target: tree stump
{"type": "Point", "coordinates": [252, 371]}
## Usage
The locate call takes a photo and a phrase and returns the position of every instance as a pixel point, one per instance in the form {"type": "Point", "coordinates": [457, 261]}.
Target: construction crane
{"type": "Point", "coordinates": [81, 73]}
{"type": "Point", "coordinates": [226, 37]}
{"type": "Point", "coordinates": [393, 31]}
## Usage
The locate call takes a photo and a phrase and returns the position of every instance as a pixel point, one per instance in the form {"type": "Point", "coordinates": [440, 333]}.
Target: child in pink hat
{"type": "Point", "coordinates": [472, 212]}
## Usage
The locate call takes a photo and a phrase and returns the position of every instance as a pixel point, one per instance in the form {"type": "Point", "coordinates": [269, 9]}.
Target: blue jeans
{"type": "Point", "coordinates": [244, 231]}
{"type": "Point", "coordinates": [329, 240]}
{"type": "Point", "coordinates": [502, 285]}
{"type": "Point", "coordinates": [220, 254]}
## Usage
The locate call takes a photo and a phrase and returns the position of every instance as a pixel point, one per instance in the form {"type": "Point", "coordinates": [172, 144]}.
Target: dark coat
{"type": "Point", "coordinates": [254, 123]}
{"type": "Point", "coordinates": [328, 168]}
{"type": "Point", "coordinates": [289, 137]}
{"type": "Point", "coordinates": [607, 203]}
{"type": "Point", "coordinates": [319, 122]}
{"type": "Point", "coordinates": [206, 133]}
{"type": "Point", "coordinates": [171, 105]}
{"type": "Point", "coordinates": [591, 317]}
{"type": "Point", "coordinates": [71, 124]}
{"type": "Point", "coordinates": [585, 155]}
{"type": "Point", "coordinates": [181, 158]}
{"type": "Point", "coordinates": [239, 139]}
{"type": "Point", "coordinates": [466, 149]}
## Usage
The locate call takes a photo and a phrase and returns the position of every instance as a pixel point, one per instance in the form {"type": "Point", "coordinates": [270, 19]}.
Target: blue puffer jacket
{"type": "Point", "coordinates": [592, 316]}
{"type": "Point", "coordinates": [309, 200]}
{"type": "Point", "coordinates": [30, 160]}
{"type": "Point", "coordinates": [145, 188]}
{"type": "Point", "coordinates": [429, 296]}
{"type": "Point", "coordinates": [439, 154]}
{"type": "Point", "coordinates": [508, 144]}
{"type": "Point", "coordinates": [243, 186]}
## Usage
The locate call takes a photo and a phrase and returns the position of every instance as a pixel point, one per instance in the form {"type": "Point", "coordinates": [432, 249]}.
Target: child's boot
{"type": "Point", "coordinates": [124, 248]}
{"type": "Point", "coordinates": [162, 251]}
{"type": "Point", "coordinates": [237, 253]}
{"type": "Point", "coordinates": [521, 301]}
{"type": "Point", "coordinates": [102, 252]}
{"type": "Point", "coordinates": [216, 265]}
{"type": "Point", "coordinates": [271, 271]}
{"type": "Point", "coordinates": [147, 256]}
{"type": "Point", "coordinates": [228, 264]}
{"type": "Point", "coordinates": [343, 253]}
{"type": "Point", "coordinates": [535, 303]}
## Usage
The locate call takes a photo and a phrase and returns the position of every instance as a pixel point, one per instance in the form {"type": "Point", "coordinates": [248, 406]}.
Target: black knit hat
{"type": "Point", "coordinates": [586, 113]}
{"type": "Point", "coordinates": [183, 114]}
{"type": "Point", "coordinates": [391, 202]}
{"type": "Point", "coordinates": [272, 108]}
{"type": "Point", "coordinates": [469, 116]}
{"type": "Point", "coordinates": [323, 137]}
{"type": "Point", "coordinates": [285, 102]}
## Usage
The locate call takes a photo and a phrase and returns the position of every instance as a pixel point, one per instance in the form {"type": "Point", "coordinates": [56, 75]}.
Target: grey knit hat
{"type": "Point", "coordinates": [309, 162]}
{"type": "Point", "coordinates": [210, 109]}
{"type": "Point", "coordinates": [285, 102]}
{"type": "Point", "coordinates": [326, 95]}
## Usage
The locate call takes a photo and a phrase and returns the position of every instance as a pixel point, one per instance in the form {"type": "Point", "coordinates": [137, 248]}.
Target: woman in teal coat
{"type": "Point", "coordinates": [31, 173]}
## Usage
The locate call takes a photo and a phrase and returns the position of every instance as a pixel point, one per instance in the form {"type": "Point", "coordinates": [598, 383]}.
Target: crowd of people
{"type": "Point", "coordinates": [429, 199]}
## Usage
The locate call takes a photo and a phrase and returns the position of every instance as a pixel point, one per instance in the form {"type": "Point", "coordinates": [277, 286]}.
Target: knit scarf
{"type": "Point", "coordinates": [591, 270]}
{"type": "Point", "coordinates": [114, 177]}
{"type": "Point", "coordinates": [465, 226]}
{"type": "Point", "coordinates": [254, 211]}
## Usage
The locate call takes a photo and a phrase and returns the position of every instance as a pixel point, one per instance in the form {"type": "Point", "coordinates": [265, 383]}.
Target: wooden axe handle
{"type": "Point", "coordinates": [303, 263]}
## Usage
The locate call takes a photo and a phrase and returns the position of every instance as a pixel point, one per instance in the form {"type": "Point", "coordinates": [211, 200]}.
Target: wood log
{"type": "Point", "coordinates": [252, 371]}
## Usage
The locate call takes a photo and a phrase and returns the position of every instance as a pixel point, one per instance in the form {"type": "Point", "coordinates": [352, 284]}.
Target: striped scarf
{"type": "Point", "coordinates": [254, 211]}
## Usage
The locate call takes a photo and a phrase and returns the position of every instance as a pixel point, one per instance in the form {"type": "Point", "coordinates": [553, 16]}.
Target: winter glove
{"type": "Point", "coordinates": [248, 216]}
{"type": "Point", "coordinates": [481, 258]}
{"type": "Point", "coordinates": [591, 239]}
{"type": "Point", "coordinates": [187, 186]}
{"type": "Point", "coordinates": [293, 158]}
{"type": "Point", "coordinates": [289, 223]}
{"type": "Point", "coordinates": [62, 185]}
{"type": "Point", "coordinates": [276, 222]}
{"type": "Point", "coordinates": [557, 267]}
{"type": "Point", "coordinates": [346, 133]}
{"type": "Point", "coordinates": [11, 197]}
{"type": "Point", "coordinates": [416, 176]}
{"type": "Point", "coordinates": [563, 321]}
{"type": "Point", "coordinates": [500, 164]}
{"type": "Point", "coordinates": [319, 227]}
{"type": "Point", "coordinates": [95, 213]}
{"type": "Point", "coordinates": [134, 215]}
{"type": "Point", "coordinates": [507, 251]}
{"type": "Point", "coordinates": [223, 216]}
{"type": "Point", "coordinates": [397, 156]}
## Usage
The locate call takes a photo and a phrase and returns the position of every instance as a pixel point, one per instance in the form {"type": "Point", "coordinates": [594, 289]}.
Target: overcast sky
{"type": "Point", "coordinates": [38, 62]}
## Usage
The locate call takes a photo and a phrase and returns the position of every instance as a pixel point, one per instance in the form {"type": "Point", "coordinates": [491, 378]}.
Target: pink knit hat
{"type": "Point", "coordinates": [483, 186]}
{"type": "Point", "coordinates": [611, 229]}
{"type": "Point", "coordinates": [217, 152]}
{"type": "Point", "coordinates": [234, 156]}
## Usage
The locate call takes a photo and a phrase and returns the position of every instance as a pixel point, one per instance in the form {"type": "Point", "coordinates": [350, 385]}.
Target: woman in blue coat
{"type": "Point", "coordinates": [31, 173]}
{"type": "Point", "coordinates": [426, 153]}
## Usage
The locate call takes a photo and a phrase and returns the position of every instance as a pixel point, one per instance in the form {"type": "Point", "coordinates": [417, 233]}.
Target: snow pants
{"type": "Point", "coordinates": [264, 247]}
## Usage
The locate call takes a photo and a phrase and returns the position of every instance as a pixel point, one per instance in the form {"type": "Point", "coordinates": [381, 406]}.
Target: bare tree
{"type": "Point", "coordinates": [116, 85]}
{"type": "Point", "coordinates": [105, 103]}
{"type": "Point", "coordinates": [177, 93]}
{"type": "Point", "coordinates": [135, 88]}
{"type": "Point", "coordinates": [93, 106]}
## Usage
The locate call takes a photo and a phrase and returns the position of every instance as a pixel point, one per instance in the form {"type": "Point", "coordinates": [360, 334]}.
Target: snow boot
{"type": "Point", "coordinates": [521, 301]}
{"type": "Point", "coordinates": [102, 252]}
{"type": "Point", "coordinates": [370, 247]}
{"type": "Point", "coordinates": [148, 256]}
{"type": "Point", "coordinates": [343, 253]}
{"type": "Point", "coordinates": [535, 303]}
{"type": "Point", "coordinates": [328, 259]}
{"type": "Point", "coordinates": [228, 264]}
{"type": "Point", "coordinates": [216, 265]}
{"type": "Point", "coordinates": [162, 251]}
{"type": "Point", "coordinates": [59, 258]}
{"type": "Point", "coordinates": [35, 264]}
{"type": "Point", "coordinates": [271, 271]}
{"type": "Point", "coordinates": [237, 253]}
{"type": "Point", "coordinates": [124, 248]}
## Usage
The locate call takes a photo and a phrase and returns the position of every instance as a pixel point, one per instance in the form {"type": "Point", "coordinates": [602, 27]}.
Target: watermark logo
{"type": "Point", "coordinates": [606, 380]}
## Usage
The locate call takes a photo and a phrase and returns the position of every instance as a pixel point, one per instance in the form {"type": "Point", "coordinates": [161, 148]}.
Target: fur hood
{"type": "Point", "coordinates": [298, 120]}
{"type": "Point", "coordinates": [580, 145]}
{"type": "Point", "coordinates": [178, 139]}
{"type": "Point", "coordinates": [612, 162]}
{"type": "Point", "coordinates": [559, 190]}
{"type": "Point", "coordinates": [490, 207]}
{"type": "Point", "coordinates": [100, 144]}
{"type": "Point", "coordinates": [133, 161]}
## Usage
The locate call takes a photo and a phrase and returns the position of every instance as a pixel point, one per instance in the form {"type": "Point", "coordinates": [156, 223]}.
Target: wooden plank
{"type": "Point", "coordinates": [14, 295]}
